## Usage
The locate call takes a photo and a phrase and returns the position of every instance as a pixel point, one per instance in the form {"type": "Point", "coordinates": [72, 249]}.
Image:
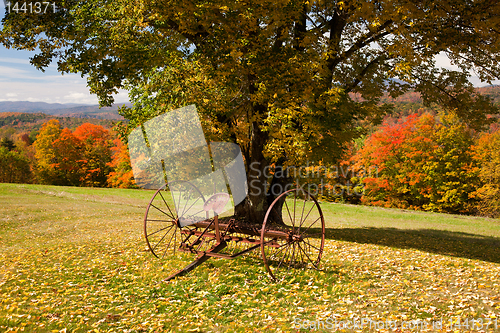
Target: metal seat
{"type": "Point", "coordinates": [216, 203]}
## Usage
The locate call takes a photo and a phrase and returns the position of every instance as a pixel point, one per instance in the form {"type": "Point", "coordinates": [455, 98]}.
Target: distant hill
{"type": "Point", "coordinates": [413, 97]}
{"type": "Point", "coordinates": [28, 107]}
{"type": "Point", "coordinates": [492, 91]}
{"type": "Point", "coordinates": [63, 110]}
{"type": "Point", "coordinates": [409, 102]}
{"type": "Point", "coordinates": [16, 122]}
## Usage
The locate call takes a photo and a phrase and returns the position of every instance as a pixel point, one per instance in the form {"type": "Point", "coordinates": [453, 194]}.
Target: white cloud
{"type": "Point", "coordinates": [15, 61]}
{"type": "Point", "coordinates": [443, 61]}
{"type": "Point", "coordinates": [79, 97]}
{"type": "Point", "coordinates": [12, 73]}
{"type": "Point", "coordinates": [23, 85]}
{"type": "Point", "coordinates": [53, 91]}
{"type": "Point", "coordinates": [73, 95]}
{"type": "Point", "coordinates": [8, 99]}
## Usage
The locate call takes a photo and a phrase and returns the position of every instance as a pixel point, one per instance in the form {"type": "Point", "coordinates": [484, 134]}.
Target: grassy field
{"type": "Point", "coordinates": [74, 260]}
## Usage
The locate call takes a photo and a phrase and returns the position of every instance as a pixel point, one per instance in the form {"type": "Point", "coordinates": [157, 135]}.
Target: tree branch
{"type": "Point", "coordinates": [365, 40]}
{"type": "Point", "coordinates": [472, 60]}
{"type": "Point", "coordinates": [300, 29]}
{"type": "Point", "coordinates": [365, 70]}
{"type": "Point", "coordinates": [337, 25]}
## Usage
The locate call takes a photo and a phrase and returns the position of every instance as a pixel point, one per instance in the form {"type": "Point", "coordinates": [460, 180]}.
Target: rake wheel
{"type": "Point", "coordinates": [304, 225]}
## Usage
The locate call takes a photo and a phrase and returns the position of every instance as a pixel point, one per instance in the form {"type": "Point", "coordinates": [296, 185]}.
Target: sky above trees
{"type": "Point", "coordinates": [20, 81]}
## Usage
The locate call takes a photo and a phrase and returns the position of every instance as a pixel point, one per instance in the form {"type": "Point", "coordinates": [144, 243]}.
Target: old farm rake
{"type": "Point", "coordinates": [187, 221]}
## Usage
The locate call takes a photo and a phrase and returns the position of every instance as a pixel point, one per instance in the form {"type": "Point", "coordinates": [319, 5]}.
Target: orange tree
{"type": "Point", "coordinates": [96, 144]}
{"type": "Point", "coordinates": [67, 159]}
{"type": "Point", "coordinates": [121, 175]}
{"type": "Point", "coordinates": [58, 155]}
{"type": "Point", "coordinates": [79, 158]}
{"type": "Point", "coordinates": [273, 76]}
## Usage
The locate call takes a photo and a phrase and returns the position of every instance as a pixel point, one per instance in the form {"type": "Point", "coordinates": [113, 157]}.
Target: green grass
{"type": "Point", "coordinates": [74, 259]}
{"type": "Point", "coordinates": [346, 216]}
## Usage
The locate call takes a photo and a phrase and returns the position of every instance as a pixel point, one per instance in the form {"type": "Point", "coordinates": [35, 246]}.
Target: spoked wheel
{"type": "Point", "coordinates": [170, 208]}
{"type": "Point", "coordinates": [298, 240]}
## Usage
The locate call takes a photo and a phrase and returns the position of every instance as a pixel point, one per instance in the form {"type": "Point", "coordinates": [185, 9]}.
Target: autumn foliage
{"type": "Point", "coordinates": [432, 163]}
{"type": "Point", "coordinates": [122, 175]}
{"type": "Point", "coordinates": [84, 157]}
{"type": "Point", "coordinates": [14, 164]}
{"type": "Point", "coordinates": [420, 161]}
{"type": "Point", "coordinates": [487, 153]}
{"type": "Point", "coordinates": [96, 143]}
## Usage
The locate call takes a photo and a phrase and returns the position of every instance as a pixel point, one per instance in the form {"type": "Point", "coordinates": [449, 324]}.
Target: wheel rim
{"type": "Point", "coordinates": [303, 221]}
{"type": "Point", "coordinates": [162, 230]}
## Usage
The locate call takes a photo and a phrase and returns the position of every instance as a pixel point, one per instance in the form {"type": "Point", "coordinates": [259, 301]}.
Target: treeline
{"type": "Point", "coordinates": [12, 123]}
{"type": "Point", "coordinates": [421, 161]}
{"type": "Point", "coordinates": [91, 155]}
{"type": "Point", "coordinates": [424, 162]}
{"type": "Point", "coordinates": [412, 97]}
{"type": "Point", "coordinates": [14, 119]}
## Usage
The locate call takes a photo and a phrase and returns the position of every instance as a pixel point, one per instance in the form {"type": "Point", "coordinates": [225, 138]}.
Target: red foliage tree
{"type": "Point", "coordinates": [79, 158]}
{"type": "Point", "coordinates": [122, 175]}
{"type": "Point", "coordinates": [95, 154]}
{"type": "Point", "coordinates": [67, 163]}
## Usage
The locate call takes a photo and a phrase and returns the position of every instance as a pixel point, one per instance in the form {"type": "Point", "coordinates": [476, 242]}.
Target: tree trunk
{"type": "Point", "coordinates": [254, 208]}
{"type": "Point", "coordinates": [262, 190]}
{"type": "Point", "coordinates": [280, 183]}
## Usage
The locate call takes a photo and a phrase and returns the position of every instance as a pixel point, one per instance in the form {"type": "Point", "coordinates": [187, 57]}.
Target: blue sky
{"type": "Point", "coordinates": [20, 81]}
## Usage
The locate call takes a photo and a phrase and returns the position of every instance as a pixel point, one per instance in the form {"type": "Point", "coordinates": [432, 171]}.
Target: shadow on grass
{"type": "Point", "coordinates": [456, 244]}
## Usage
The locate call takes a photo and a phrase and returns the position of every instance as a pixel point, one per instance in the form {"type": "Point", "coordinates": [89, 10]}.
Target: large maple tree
{"type": "Point", "coordinates": [287, 80]}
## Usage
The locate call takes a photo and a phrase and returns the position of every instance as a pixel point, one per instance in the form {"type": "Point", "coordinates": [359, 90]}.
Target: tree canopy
{"type": "Point", "coordinates": [287, 80]}
{"type": "Point", "coordinates": [79, 158]}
